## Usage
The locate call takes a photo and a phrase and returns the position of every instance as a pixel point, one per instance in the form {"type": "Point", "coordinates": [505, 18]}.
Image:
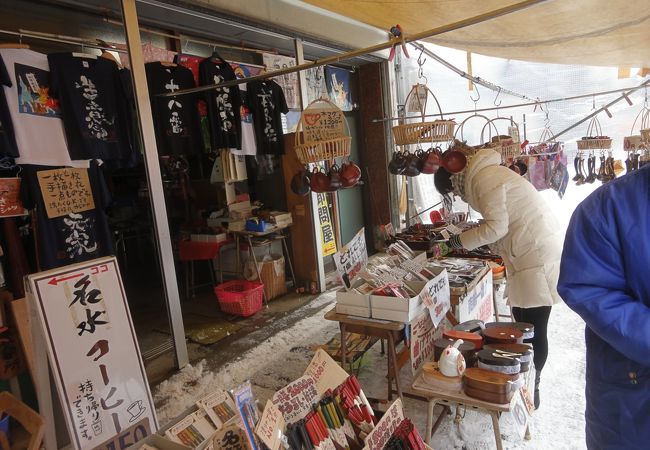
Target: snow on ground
{"type": "Point", "coordinates": [273, 363]}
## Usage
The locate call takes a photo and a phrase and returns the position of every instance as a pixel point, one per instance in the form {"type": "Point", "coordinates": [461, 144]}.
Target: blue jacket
{"type": "Point", "coordinates": [605, 278]}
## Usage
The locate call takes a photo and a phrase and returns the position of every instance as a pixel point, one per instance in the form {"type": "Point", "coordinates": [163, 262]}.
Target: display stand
{"type": "Point", "coordinates": [392, 332]}
{"type": "Point", "coordinates": [436, 396]}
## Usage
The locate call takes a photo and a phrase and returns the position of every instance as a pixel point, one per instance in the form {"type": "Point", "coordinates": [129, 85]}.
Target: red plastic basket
{"type": "Point", "coordinates": [240, 297]}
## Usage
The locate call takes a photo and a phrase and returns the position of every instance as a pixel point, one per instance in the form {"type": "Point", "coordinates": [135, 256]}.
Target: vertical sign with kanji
{"type": "Point", "coordinates": [326, 229]}
{"type": "Point", "coordinates": [94, 354]}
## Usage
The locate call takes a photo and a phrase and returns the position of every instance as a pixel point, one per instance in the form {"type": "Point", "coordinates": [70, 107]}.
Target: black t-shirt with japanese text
{"type": "Point", "coordinates": [224, 104]}
{"type": "Point", "coordinates": [176, 119]}
{"type": "Point", "coordinates": [266, 101]}
{"type": "Point", "coordinates": [7, 137]}
{"type": "Point", "coordinates": [92, 102]}
{"type": "Point", "coordinates": [75, 237]}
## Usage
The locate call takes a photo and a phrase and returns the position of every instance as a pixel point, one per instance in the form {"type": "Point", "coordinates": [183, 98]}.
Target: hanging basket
{"type": "Point", "coordinates": [598, 142]}
{"type": "Point", "coordinates": [322, 133]}
{"type": "Point", "coordinates": [431, 131]}
{"type": "Point", "coordinates": [468, 150]}
{"type": "Point", "coordinates": [508, 147]}
{"type": "Point", "coordinates": [644, 132]}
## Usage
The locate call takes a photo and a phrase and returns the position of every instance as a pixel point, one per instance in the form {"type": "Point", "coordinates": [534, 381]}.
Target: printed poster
{"type": "Point", "coordinates": [316, 87]}
{"type": "Point", "coordinates": [352, 258]}
{"type": "Point", "coordinates": [338, 87]}
{"type": "Point", "coordinates": [33, 87]}
{"type": "Point", "coordinates": [94, 354]}
{"type": "Point", "coordinates": [65, 191]}
{"type": "Point", "coordinates": [245, 70]}
{"type": "Point", "coordinates": [327, 231]}
{"type": "Point", "coordinates": [10, 203]}
{"type": "Point", "coordinates": [288, 82]}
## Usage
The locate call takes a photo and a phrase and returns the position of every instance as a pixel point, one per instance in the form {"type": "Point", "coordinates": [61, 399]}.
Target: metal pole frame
{"type": "Point", "coordinates": [154, 181]}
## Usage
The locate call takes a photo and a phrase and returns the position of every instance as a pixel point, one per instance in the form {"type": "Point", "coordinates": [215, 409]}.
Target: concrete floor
{"type": "Point", "coordinates": [279, 314]}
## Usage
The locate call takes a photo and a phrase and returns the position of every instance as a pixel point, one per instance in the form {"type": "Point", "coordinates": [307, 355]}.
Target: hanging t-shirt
{"type": "Point", "coordinates": [92, 103]}
{"type": "Point", "coordinates": [266, 101]}
{"type": "Point", "coordinates": [75, 237]}
{"type": "Point", "coordinates": [35, 115]}
{"type": "Point", "coordinates": [8, 146]}
{"type": "Point", "coordinates": [130, 159]}
{"type": "Point", "coordinates": [248, 144]}
{"type": "Point", "coordinates": [176, 119]}
{"type": "Point", "coordinates": [223, 103]}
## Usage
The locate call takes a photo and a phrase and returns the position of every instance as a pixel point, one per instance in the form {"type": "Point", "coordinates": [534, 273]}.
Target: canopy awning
{"type": "Point", "coordinates": [588, 32]}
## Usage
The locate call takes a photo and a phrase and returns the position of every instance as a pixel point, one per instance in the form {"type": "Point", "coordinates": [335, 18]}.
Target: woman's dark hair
{"type": "Point", "coordinates": [442, 181]}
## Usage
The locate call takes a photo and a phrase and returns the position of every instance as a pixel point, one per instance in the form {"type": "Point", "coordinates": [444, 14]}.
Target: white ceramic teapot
{"type": "Point", "coordinates": [452, 362]}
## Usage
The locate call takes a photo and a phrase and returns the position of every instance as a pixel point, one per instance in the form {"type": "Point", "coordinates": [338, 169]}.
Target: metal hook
{"type": "Point", "coordinates": [495, 98]}
{"type": "Point", "coordinates": [420, 60]}
{"type": "Point", "coordinates": [475, 100]}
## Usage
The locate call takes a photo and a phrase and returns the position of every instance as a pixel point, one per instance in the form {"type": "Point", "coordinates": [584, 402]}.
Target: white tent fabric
{"type": "Point", "coordinates": [589, 32]}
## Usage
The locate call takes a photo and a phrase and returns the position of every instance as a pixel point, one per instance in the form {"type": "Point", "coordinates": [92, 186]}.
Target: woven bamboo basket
{"type": "Point", "coordinates": [508, 148]}
{"type": "Point", "coordinates": [425, 131]}
{"type": "Point", "coordinates": [644, 115]}
{"type": "Point", "coordinates": [594, 143]}
{"type": "Point", "coordinates": [468, 150]}
{"type": "Point", "coordinates": [311, 146]}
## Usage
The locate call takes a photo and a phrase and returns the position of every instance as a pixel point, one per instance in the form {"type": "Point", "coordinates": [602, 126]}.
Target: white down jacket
{"type": "Point", "coordinates": [519, 226]}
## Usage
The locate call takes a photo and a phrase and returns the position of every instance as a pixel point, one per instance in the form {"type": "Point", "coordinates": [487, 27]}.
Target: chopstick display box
{"type": "Point", "coordinates": [352, 302]}
{"type": "Point", "coordinates": [404, 309]}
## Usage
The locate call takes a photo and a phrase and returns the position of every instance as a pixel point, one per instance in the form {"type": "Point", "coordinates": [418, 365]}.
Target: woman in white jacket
{"type": "Point", "coordinates": [520, 227]}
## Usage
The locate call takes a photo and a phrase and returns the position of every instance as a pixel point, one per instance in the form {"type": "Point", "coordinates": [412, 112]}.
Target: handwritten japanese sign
{"type": "Point", "coordinates": [437, 298]}
{"type": "Point", "coordinates": [422, 338]}
{"type": "Point", "coordinates": [326, 229]}
{"type": "Point", "coordinates": [65, 191]}
{"type": "Point", "coordinates": [380, 435]}
{"type": "Point", "coordinates": [352, 258]}
{"type": "Point", "coordinates": [10, 203]}
{"type": "Point", "coordinates": [93, 351]}
{"type": "Point", "coordinates": [321, 124]}
{"type": "Point", "coordinates": [230, 437]}
{"type": "Point", "coordinates": [295, 399]}
{"type": "Point", "coordinates": [325, 371]}
{"type": "Point", "coordinates": [478, 303]}
{"type": "Point", "coordinates": [271, 426]}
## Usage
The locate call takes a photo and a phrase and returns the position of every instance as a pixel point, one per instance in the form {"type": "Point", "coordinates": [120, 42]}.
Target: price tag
{"type": "Point", "coordinates": [325, 371]}
{"type": "Point", "coordinates": [380, 435]}
{"type": "Point", "coordinates": [271, 426]}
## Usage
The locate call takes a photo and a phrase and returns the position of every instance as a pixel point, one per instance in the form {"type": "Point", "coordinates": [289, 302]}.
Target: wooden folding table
{"type": "Point", "coordinates": [392, 332]}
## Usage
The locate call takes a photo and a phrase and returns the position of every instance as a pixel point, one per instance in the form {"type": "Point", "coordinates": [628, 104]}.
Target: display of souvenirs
{"type": "Point", "coordinates": [93, 106]}
{"type": "Point", "coordinates": [461, 271]}
{"type": "Point", "coordinates": [176, 119]}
